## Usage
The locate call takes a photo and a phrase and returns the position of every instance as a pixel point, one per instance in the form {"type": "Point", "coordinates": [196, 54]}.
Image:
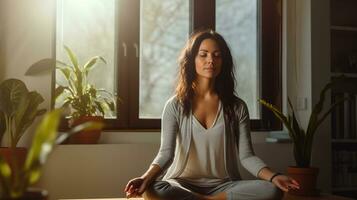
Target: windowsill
{"type": "Point", "coordinates": [278, 137]}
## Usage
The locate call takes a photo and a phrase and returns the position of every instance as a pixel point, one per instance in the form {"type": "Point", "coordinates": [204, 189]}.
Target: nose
{"type": "Point", "coordinates": [209, 58]}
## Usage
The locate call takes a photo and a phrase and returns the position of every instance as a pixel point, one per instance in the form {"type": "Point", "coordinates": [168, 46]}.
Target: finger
{"type": "Point", "coordinates": [127, 195]}
{"type": "Point", "coordinates": [131, 189]}
{"type": "Point", "coordinates": [130, 194]}
{"type": "Point", "coordinates": [127, 187]}
{"type": "Point", "coordinates": [294, 187]}
{"type": "Point", "coordinates": [295, 183]}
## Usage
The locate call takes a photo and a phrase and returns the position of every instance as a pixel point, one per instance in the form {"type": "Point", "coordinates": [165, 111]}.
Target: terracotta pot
{"type": "Point", "coordinates": [307, 178]}
{"type": "Point", "coordinates": [14, 156]}
{"type": "Point", "coordinates": [86, 137]}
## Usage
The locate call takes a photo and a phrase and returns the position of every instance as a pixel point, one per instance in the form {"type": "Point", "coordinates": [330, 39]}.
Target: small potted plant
{"type": "Point", "coordinates": [19, 107]}
{"type": "Point", "coordinates": [302, 139]}
{"type": "Point", "coordinates": [16, 183]}
{"type": "Point", "coordinates": [87, 103]}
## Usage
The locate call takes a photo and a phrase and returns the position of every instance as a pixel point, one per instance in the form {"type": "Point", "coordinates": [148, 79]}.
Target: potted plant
{"type": "Point", "coordinates": [15, 183]}
{"type": "Point", "coordinates": [87, 103]}
{"type": "Point", "coordinates": [18, 110]}
{"type": "Point", "coordinates": [302, 139]}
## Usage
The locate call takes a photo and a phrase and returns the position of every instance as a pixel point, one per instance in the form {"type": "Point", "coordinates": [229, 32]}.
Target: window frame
{"type": "Point", "coordinates": [128, 62]}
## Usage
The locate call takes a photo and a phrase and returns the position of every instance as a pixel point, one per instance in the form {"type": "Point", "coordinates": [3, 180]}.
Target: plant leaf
{"type": "Point", "coordinates": [12, 91]}
{"type": "Point", "coordinates": [5, 177]}
{"type": "Point", "coordinates": [66, 72]}
{"type": "Point", "coordinates": [99, 107]}
{"type": "Point", "coordinates": [72, 57]}
{"type": "Point", "coordinates": [89, 65]}
{"type": "Point", "coordinates": [40, 67]}
{"type": "Point", "coordinates": [42, 144]}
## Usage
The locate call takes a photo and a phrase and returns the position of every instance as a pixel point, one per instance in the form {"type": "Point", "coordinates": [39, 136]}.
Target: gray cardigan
{"type": "Point", "coordinates": [176, 135]}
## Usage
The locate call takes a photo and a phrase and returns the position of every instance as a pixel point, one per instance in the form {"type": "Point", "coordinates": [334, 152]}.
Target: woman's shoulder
{"type": "Point", "coordinates": [239, 103]}
{"type": "Point", "coordinates": [173, 103]}
{"type": "Point", "coordinates": [241, 108]}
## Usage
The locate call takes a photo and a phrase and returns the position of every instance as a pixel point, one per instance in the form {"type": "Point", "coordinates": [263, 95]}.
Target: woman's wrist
{"type": "Point", "coordinates": [274, 175]}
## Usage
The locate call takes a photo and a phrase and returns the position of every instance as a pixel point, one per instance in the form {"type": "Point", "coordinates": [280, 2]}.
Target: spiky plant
{"type": "Point", "coordinates": [302, 139]}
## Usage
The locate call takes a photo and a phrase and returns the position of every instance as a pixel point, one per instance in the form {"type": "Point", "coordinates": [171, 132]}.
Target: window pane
{"type": "Point", "coordinates": [87, 27]}
{"type": "Point", "coordinates": [237, 21]}
{"type": "Point", "coordinates": [164, 29]}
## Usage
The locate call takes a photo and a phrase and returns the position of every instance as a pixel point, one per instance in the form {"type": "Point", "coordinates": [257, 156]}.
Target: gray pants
{"type": "Point", "coordinates": [243, 189]}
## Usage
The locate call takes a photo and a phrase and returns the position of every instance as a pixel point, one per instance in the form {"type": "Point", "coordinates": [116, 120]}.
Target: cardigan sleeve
{"type": "Point", "coordinates": [169, 129]}
{"type": "Point", "coordinates": [249, 160]}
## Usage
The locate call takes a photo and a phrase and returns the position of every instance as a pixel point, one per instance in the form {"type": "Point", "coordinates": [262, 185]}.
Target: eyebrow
{"type": "Point", "coordinates": [207, 50]}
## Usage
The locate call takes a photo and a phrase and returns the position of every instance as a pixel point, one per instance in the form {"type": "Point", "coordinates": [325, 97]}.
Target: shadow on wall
{"type": "Point", "coordinates": [2, 53]}
{"type": "Point", "coordinates": [2, 43]}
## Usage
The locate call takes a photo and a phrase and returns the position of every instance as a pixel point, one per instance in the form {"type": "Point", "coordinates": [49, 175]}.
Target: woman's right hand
{"type": "Point", "coordinates": [135, 187]}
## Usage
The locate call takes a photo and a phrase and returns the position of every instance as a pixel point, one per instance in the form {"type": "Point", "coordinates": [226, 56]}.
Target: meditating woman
{"type": "Point", "coordinates": [205, 133]}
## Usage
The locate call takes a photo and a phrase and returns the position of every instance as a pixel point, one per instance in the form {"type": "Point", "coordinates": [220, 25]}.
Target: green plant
{"type": "Point", "coordinates": [82, 96]}
{"type": "Point", "coordinates": [302, 139]}
{"type": "Point", "coordinates": [18, 109]}
{"type": "Point", "coordinates": [15, 183]}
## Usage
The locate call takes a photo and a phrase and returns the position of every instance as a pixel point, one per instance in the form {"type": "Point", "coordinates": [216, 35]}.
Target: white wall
{"type": "Point", "coordinates": [26, 36]}
{"type": "Point", "coordinates": [2, 41]}
{"type": "Point", "coordinates": [308, 61]}
{"type": "Point", "coordinates": [89, 171]}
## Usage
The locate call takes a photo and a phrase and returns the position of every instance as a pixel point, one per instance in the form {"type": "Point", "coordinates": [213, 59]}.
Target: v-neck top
{"type": "Point", "coordinates": [177, 136]}
{"type": "Point", "coordinates": [199, 124]}
{"type": "Point", "coordinates": [205, 164]}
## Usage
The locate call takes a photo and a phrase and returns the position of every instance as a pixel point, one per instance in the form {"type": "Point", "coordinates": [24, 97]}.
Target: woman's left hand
{"type": "Point", "coordinates": [285, 183]}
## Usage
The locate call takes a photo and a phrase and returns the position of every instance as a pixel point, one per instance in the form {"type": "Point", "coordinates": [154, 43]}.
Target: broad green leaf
{"type": "Point", "coordinates": [12, 91]}
{"type": "Point", "coordinates": [91, 63]}
{"type": "Point", "coordinates": [110, 104]}
{"type": "Point", "coordinates": [58, 91]}
{"type": "Point", "coordinates": [99, 107]}
{"type": "Point", "coordinates": [42, 144]}
{"type": "Point", "coordinates": [66, 72]}
{"type": "Point", "coordinates": [72, 57]}
{"type": "Point", "coordinates": [60, 64]}
{"type": "Point", "coordinates": [5, 170]}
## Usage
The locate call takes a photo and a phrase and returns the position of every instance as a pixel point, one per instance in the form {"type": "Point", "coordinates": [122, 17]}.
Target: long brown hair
{"type": "Point", "coordinates": [225, 81]}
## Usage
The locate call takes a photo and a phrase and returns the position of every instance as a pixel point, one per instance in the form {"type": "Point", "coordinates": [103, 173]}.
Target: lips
{"type": "Point", "coordinates": [209, 67]}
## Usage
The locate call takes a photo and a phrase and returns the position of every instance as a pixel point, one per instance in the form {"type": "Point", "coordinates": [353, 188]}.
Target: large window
{"type": "Point", "coordinates": [237, 21]}
{"type": "Point", "coordinates": [141, 41]}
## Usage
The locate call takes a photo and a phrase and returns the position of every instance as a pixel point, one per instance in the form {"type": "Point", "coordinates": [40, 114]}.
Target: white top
{"type": "Point", "coordinates": [205, 164]}
{"type": "Point", "coordinates": [177, 136]}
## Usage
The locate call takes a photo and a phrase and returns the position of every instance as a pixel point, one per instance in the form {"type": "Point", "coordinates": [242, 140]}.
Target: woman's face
{"type": "Point", "coordinates": [208, 61]}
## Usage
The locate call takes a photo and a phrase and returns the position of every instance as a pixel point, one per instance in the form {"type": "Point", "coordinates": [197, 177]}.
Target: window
{"type": "Point", "coordinates": [141, 40]}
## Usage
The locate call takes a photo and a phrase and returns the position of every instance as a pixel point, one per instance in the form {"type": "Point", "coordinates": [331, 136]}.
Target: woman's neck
{"type": "Point", "coordinates": [204, 88]}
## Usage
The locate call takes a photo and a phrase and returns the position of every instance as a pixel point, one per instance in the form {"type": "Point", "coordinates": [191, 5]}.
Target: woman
{"type": "Point", "coordinates": [205, 133]}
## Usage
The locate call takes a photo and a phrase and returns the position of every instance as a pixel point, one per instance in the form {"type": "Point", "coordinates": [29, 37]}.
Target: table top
{"type": "Point", "coordinates": [286, 197]}
{"type": "Point", "coordinates": [320, 197]}
{"type": "Point", "coordinates": [106, 199]}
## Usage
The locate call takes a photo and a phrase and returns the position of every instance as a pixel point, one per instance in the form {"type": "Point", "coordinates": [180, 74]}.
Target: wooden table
{"type": "Point", "coordinates": [320, 197]}
{"type": "Point", "coordinates": [286, 197]}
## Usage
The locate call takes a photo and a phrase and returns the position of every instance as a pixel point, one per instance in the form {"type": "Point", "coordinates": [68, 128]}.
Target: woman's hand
{"type": "Point", "coordinates": [285, 183]}
{"type": "Point", "coordinates": [135, 187]}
